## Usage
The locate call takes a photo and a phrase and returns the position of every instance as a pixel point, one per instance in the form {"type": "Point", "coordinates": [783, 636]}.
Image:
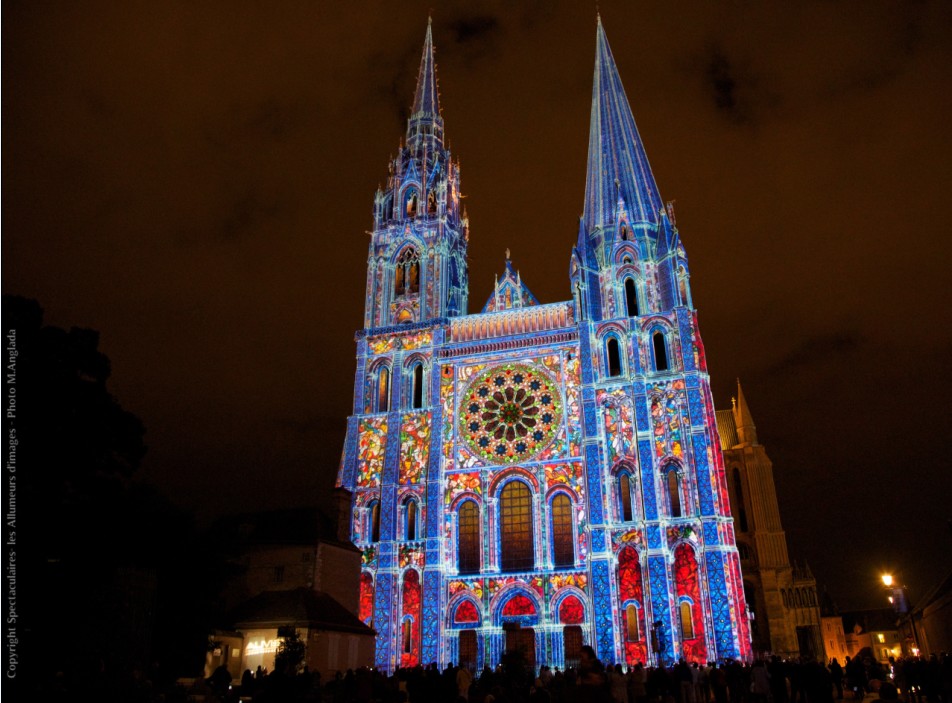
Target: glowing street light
{"type": "Point", "coordinates": [887, 580]}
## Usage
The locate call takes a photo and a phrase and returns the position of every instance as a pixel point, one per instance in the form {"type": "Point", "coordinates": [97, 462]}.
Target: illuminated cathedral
{"type": "Point", "coordinates": [535, 477]}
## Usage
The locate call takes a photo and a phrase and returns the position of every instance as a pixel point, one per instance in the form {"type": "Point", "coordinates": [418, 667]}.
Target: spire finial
{"type": "Point", "coordinates": [507, 254]}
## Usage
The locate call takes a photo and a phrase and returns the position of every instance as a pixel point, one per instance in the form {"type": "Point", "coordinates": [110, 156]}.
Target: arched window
{"type": "Point", "coordinates": [412, 513]}
{"type": "Point", "coordinates": [674, 493]}
{"type": "Point", "coordinates": [625, 236]}
{"type": "Point", "coordinates": [431, 202]}
{"type": "Point", "coordinates": [515, 517]}
{"type": "Point", "coordinates": [660, 351]}
{"type": "Point", "coordinates": [683, 285]}
{"type": "Point", "coordinates": [614, 357]}
{"type": "Point", "coordinates": [416, 399]}
{"type": "Point", "coordinates": [687, 623]}
{"type": "Point", "coordinates": [624, 490]}
{"type": "Point", "coordinates": [407, 273]}
{"type": "Point", "coordinates": [468, 538]}
{"type": "Point", "coordinates": [411, 619]}
{"type": "Point", "coordinates": [383, 389]}
{"type": "Point", "coordinates": [407, 635]}
{"type": "Point", "coordinates": [632, 633]}
{"type": "Point", "coordinates": [366, 612]}
{"type": "Point", "coordinates": [690, 614]}
{"type": "Point", "coordinates": [563, 534]}
{"type": "Point", "coordinates": [375, 521]}
{"type": "Point", "coordinates": [412, 202]}
{"type": "Point", "coordinates": [631, 297]}
{"type": "Point", "coordinates": [630, 593]}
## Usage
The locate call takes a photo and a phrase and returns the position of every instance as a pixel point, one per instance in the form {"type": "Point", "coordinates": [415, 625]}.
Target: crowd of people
{"type": "Point", "coordinates": [773, 680]}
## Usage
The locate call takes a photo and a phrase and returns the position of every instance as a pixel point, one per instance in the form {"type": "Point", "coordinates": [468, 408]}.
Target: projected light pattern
{"type": "Point", "coordinates": [537, 475]}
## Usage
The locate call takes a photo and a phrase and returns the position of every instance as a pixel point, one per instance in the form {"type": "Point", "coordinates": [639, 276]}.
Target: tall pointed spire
{"type": "Point", "coordinates": [426, 100]}
{"type": "Point", "coordinates": [746, 430]}
{"type": "Point", "coordinates": [617, 164]}
{"type": "Point", "coordinates": [425, 119]}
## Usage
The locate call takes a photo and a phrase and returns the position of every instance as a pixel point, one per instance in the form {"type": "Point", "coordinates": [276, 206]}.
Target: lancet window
{"type": "Point", "coordinates": [563, 533]}
{"type": "Point", "coordinates": [660, 348]}
{"type": "Point", "coordinates": [515, 512]}
{"type": "Point", "coordinates": [407, 273]}
{"type": "Point", "coordinates": [468, 538]}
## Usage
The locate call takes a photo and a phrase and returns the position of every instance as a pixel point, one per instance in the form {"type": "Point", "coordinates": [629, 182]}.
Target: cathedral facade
{"type": "Point", "coordinates": [536, 477]}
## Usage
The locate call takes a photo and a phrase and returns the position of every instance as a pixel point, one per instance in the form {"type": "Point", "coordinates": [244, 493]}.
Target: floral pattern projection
{"type": "Point", "coordinates": [366, 608]}
{"type": "Point", "coordinates": [571, 611]}
{"type": "Point", "coordinates": [466, 613]}
{"type": "Point", "coordinates": [410, 622]}
{"type": "Point", "coordinates": [370, 451]}
{"type": "Point", "coordinates": [573, 411]}
{"type": "Point", "coordinates": [371, 444]}
{"type": "Point", "coordinates": [667, 400]}
{"type": "Point", "coordinates": [510, 413]}
{"type": "Point", "coordinates": [518, 606]}
{"type": "Point", "coordinates": [693, 649]}
{"type": "Point", "coordinates": [571, 475]}
{"type": "Point", "coordinates": [631, 592]}
{"type": "Point", "coordinates": [414, 448]}
{"type": "Point", "coordinates": [619, 425]}
{"type": "Point", "coordinates": [447, 400]}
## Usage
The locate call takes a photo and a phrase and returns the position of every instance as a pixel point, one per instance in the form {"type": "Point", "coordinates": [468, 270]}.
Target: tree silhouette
{"type": "Point", "coordinates": [107, 565]}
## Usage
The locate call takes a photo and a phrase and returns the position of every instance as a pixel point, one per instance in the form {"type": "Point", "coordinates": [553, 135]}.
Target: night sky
{"type": "Point", "coordinates": [195, 181]}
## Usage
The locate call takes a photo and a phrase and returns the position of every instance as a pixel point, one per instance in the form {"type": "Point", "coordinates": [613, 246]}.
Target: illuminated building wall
{"type": "Point", "coordinates": [533, 476]}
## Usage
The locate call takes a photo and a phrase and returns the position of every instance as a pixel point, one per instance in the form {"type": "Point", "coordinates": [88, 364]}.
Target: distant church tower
{"type": "Point", "coordinates": [782, 597]}
{"type": "Point", "coordinates": [536, 477]}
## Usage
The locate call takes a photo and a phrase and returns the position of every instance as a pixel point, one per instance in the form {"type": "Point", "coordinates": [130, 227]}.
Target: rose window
{"type": "Point", "coordinates": [510, 413]}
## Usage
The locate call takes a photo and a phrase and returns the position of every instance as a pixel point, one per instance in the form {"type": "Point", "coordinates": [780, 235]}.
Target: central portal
{"type": "Point", "coordinates": [522, 640]}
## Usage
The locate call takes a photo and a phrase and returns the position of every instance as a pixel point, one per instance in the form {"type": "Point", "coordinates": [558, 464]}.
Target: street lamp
{"type": "Point", "coordinates": [887, 580]}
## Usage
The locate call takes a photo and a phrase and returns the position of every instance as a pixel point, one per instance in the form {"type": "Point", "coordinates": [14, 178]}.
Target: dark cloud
{"type": "Point", "coordinates": [816, 351]}
{"type": "Point", "coordinates": [477, 36]}
{"type": "Point", "coordinates": [737, 92]}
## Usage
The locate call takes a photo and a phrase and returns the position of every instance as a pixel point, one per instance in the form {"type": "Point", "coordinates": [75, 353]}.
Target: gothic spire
{"type": "Point", "coordinates": [426, 100]}
{"type": "Point", "coordinates": [425, 119]}
{"type": "Point", "coordinates": [617, 164]}
{"type": "Point", "coordinates": [746, 430]}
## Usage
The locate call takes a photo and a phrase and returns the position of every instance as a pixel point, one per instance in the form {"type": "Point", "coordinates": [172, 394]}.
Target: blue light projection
{"type": "Point", "coordinates": [510, 430]}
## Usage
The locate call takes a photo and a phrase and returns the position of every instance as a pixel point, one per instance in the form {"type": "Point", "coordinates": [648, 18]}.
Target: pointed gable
{"type": "Point", "coordinates": [617, 164]}
{"type": "Point", "coordinates": [510, 292]}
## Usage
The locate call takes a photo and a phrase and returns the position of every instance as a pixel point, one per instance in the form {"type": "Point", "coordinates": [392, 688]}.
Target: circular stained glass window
{"type": "Point", "coordinates": [510, 413]}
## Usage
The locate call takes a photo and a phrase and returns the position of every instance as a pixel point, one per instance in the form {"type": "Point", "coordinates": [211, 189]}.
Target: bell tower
{"type": "Point", "coordinates": [416, 267]}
